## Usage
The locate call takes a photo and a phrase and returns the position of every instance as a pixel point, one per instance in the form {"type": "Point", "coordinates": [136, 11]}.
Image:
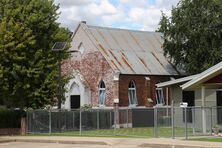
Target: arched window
{"type": "Point", "coordinates": [102, 93]}
{"type": "Point", "coordinates": [159, 96]}
{"type": "Point", "coordinates": [132, 93]}
{"type": "Point", "coordinates": [81, 48]}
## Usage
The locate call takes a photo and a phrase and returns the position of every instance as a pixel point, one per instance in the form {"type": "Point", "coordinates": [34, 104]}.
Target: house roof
{"type": "Point", "coordinates": [176, 81]}
{"type": "Point", "coordinates": [194, 81]}
{"type": "Point", "coordinates": [131, 52]}
{"type": "Point", "coordinates": [204, 76]}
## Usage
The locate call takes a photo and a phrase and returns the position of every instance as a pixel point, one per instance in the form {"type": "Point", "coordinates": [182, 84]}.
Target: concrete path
{"type": "Point", "coordinates": [98, 142]}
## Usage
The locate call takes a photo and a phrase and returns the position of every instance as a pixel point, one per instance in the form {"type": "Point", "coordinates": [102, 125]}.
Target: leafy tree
{"type": "Point", "coordinates": [28, 66]}
{"type": "Point", "coordinates": [193, 34]}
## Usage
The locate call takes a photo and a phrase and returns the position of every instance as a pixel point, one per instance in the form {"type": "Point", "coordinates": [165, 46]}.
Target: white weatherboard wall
{"type": "Point", "coordinates": [210, 101]}
{"type": "Point", "coordinates": [76, 87]}
{"type": "Point", "coordinates": [210, 97]}
{"type": "Point", "coordinates": [176, 96]}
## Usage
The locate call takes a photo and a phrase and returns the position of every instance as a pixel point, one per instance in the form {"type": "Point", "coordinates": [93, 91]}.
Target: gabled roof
{"type": "Point", "coordinates": [131, 52]}
{"type": "Point", "coordinates": [195, 80]}
{"type": "Point", "coordinates": [204, 76]}
{"type": "Point", "coordinates": [177, 81]}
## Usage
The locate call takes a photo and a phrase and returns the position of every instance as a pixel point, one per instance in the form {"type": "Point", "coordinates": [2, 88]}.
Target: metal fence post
{"type": "Point", "coordinates": [115, 117]}
{"type": "Point", "coordinates": [185, 109]}
{"type": "Point", "coordinates": [110, 118]}
{"type": "Point", "coordinates": [172, 120]}
{"type": "Point", "coordinates": [193, 119]}
{"type": "Point", "coordinates": [127, 117]}
{"type": "Point", "coordinates": [73, 120]}
{"type": "Point", "coordinates": [59, 121]}
{"type": "Point", "coordinates": [65, 126]}
{"type": "Point", "coordinates": [97, 115]}
{"type": "Point", "coordinates": [211, 120]}
{"type": "Point", "coordinates": [155, 123]}
{"type": "Point", "coordinates": [80, 122]}
{"type": "Point", "coordinates": [27, 121]}
{"type": "Point", "coordinates": [50, 122]}
{"type": "Point", "coordinates": [33, 125]}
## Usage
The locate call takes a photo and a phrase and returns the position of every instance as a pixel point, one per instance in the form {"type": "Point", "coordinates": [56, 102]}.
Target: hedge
{"type": "Point", "coordinates": [10, 118]}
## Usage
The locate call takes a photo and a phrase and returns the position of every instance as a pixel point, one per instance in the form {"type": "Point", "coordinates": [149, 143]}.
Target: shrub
{"type": "Point", "coordinates": [11, 118]}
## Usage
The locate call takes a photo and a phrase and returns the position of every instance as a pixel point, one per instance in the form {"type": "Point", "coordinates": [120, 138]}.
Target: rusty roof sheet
{"type": "Point", "coordinates": [132, 52]}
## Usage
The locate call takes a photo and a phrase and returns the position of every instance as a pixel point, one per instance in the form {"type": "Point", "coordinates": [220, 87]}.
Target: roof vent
{"type": "Point", "coordinates": [84, 22]}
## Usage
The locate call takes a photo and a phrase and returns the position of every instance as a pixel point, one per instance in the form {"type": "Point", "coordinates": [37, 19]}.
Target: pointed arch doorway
{"type": "Point", "coordinates": [75, 96]}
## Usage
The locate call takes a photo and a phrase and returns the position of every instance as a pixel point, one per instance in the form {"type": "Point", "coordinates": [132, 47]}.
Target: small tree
{"type": "Point", "coordinates": [28, 66]}
{"type": "Point", "coordinates": [192, 35]}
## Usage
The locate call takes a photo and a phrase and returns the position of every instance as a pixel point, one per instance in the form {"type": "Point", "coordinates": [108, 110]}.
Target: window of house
{"type": "Point", "coordinates": [81, 48]}
{"type": "Point", "coordinates": [159, 96]}
{"type": "Point", "coordinates": [132, 94]}
{"type": "Point", "coordinates": [102, 93]}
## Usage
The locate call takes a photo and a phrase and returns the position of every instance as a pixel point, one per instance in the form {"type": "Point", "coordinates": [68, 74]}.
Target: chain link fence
{"type": "Point", "coordinates": [187, 122]}
{"type": "Point", "coordinates": [137, 122]}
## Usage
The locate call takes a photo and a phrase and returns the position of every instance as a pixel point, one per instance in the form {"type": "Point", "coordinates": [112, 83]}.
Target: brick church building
{"type": "Point", "coordinates": [116, 64]}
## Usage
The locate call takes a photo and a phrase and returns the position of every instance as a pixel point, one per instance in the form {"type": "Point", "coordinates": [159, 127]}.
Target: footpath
{"type": "Point", "coordinates": [114, 142]}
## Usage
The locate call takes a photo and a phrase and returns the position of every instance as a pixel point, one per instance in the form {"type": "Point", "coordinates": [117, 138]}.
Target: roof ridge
{"type": "Point", "coordinates": [123, 29]}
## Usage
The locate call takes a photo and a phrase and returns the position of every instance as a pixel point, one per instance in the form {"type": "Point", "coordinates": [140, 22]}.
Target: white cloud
{"type": "Point", "coordinates": [126, 13]}
{"type": "Point", "coordinates": [134, 3]}
{"type": "Point", "coordinates": [104, 8]}
{"type": "Point", "coordinates": [107, 8]}
{"type": "Point", "coordinates": [70, 3]}
{"type": "Point", "coordinates": [167, 4]}
{"type": "Point", "coordinates": [137, 14]}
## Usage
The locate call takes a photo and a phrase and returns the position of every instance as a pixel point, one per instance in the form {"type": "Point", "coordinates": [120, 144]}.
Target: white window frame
{"type": "Point", "coordinates": [159, 96]}
{"type": "Point", "coordinates": [81, 48]}
{"type": "Point", "coordinates": [130, 90]}
{"type": "Point", "coordinates": [102, 90]}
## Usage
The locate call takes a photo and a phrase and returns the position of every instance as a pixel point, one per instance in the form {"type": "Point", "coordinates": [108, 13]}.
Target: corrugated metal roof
{"type": "Point", "coordinates": [132, 52]}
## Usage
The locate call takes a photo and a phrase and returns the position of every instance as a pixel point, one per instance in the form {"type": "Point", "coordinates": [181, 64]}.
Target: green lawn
{"type": "Point", "coordinates": [213, 139]}
{"type": "Point", "coordinates": [147, 132]}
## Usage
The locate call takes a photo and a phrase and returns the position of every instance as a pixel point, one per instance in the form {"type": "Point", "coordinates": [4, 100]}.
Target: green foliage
{"type": "Point", "coordinates": [28, 66]}
{"type": "Point", "coordinates": [11, 118]}
{"type": "Point", "coordinates": [86, 107]}
{"type": "Point", "coordinates": [192, 35]}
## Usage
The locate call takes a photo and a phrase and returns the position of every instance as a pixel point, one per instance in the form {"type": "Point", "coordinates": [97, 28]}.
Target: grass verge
{"type": "Point", "coordinates": [208, 139]}
{"type": "Point", "coordinates": [147, 132]}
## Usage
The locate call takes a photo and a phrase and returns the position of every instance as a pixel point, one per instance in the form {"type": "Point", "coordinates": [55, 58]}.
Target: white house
{"type": "Point", "coordinates": [200, 90]}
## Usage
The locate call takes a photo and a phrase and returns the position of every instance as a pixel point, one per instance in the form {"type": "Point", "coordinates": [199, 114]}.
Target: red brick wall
{"type": "Point", "coordinates": [154, 81]}
{"type": "Point", "coordinates": [144, 88]}
{"type": "Point", "coordinates": [141, 90]}
{"type": "Point", "coordinates": [92, 66]}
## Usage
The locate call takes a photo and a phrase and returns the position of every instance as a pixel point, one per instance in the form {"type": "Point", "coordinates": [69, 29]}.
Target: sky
{"type": "Point", "coordinates": [127, 14]}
